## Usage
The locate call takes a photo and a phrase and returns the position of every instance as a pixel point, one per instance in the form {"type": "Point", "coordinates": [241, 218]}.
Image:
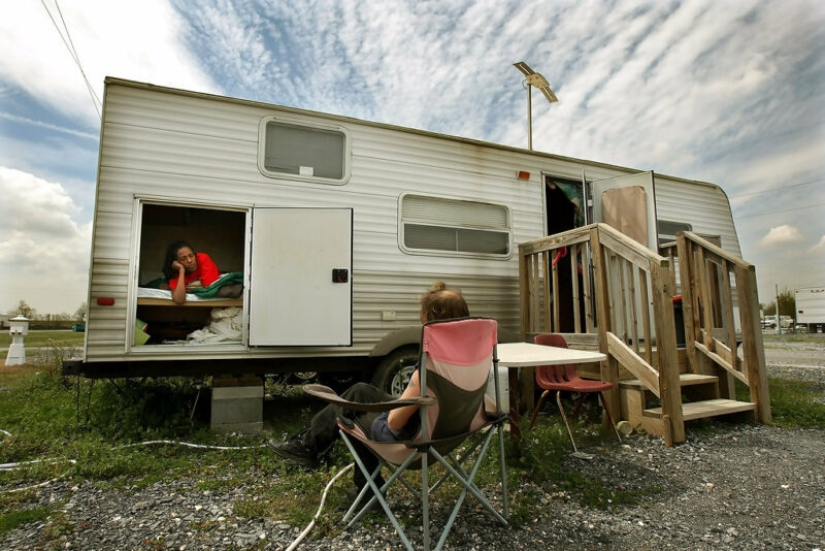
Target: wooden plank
{"type": "Point", "coordinates": [671, 392]}
{"type": "Point", "coordinates": [752, 347]}
{"type": "Point", "coordinates": [205, 303]}
{"type": "Point", "coordinates": [524, 290]}
{"type": "Point", "coordinates": [722, 362]}
{"type": "Point", "coordinates": [564, 239]}
{"type": "Point", "coordinates": [587, 270]}
{"type": "Point", "coordinates": [717, 252]}
{"type": "Point", "coordinates": [689, 310]}
{"type": "Point", "coordinates": [707, 408]}
{"type": "Point", "coordinates": [633, 363]}
{"type": "Point", "coordinates": [574, 275]}
{"type": "Point", "coordinates": [645, 298]}
{"type": "Point", "coordinates": [556, 325]}
{"type": "Point", "coordinates": [685, 379]}
{"type": "Point", "coordinates": [628, 248]}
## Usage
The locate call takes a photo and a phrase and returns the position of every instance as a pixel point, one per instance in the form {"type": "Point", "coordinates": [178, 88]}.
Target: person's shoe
{"type": "Point", "coordinates": [295, 450]}
{"type": "Point", "coordinates": [352, 495]}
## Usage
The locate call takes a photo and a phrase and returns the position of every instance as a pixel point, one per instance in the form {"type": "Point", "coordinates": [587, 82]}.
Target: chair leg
{"type": "Point", "coordinates": [610, 417]}
{"type": "Point", "coordinates": [578, 405]}
{"type": "Point", "coordinates": [538, 407]}
{"type": "Point", "coordinates": [566, 422]}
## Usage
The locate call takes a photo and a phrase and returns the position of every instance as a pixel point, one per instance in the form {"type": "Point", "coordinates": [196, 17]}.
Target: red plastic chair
{"type": "Point", "coordinates": [563, 378]}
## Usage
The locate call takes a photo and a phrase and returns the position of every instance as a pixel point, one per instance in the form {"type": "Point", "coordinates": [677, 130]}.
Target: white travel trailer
{"type": "Point", "coordinates": [810, 307]}
{"type": "Point", "coordinates": [335, 227]}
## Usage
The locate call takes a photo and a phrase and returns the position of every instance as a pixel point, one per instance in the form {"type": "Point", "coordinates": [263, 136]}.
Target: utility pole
{"type": "Point", "coordinates": [778, 317]}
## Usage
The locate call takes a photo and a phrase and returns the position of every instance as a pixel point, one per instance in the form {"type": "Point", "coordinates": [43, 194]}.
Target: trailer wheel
{"type": "Point", "coordinates": [394, 371]}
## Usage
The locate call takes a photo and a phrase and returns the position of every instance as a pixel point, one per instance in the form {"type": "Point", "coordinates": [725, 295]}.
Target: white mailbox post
{"type": "Point", "coordinates": [18, 328]}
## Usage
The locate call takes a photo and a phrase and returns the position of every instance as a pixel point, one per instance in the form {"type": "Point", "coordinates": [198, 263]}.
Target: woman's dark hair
{"type": "Point", "coordinates": [171, 256]}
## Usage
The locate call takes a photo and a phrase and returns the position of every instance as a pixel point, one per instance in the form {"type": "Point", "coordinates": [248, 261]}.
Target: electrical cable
{"type": "Point", "coordinates": [13, 466]}
{"type": "Point", "coordinates": [189, 444]}
{"type": "Point", "coordinates": [293, 545]}
{"type": "Point", "coordinates": [311, 524]}
{"type": "Point", "coordinates": [73, 52]}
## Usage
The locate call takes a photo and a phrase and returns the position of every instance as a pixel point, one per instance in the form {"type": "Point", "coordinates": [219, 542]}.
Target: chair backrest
{"type": "Point", "coordinates": [458, 355]}
{"type": "Point", "coordinates": [553, 374]}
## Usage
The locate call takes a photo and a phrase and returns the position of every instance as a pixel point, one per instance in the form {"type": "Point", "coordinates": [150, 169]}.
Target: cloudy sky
{"type": "Point", "coordinates": [731, 92]}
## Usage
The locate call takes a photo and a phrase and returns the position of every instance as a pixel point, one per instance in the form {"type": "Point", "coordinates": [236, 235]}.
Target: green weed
{"type": "Point", "coordinates": [797, 404]}
{"type": "Point", "coordinates": [129, 434]}
{"type": "Point", "coordinates": [38, 339]}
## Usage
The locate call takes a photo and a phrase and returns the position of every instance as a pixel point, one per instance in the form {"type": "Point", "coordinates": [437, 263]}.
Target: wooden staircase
{"type": "Point", "coordinates": [700, 400]}
{"type": "Point", "coordinates": [605, 291]}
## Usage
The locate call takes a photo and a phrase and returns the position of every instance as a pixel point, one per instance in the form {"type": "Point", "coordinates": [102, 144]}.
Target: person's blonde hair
{"type": "Point", "coordinates": [440, 302]}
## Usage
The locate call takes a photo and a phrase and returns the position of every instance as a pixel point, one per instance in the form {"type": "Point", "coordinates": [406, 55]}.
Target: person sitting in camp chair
{"type": "Point", "coordinates": [314, 441]}
{"type": "Point", "coordinates": [458, 422]}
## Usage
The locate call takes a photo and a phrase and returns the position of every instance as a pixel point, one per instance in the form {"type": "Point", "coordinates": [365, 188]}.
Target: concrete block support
{"type": "Point", "coordinates": [237, 404]}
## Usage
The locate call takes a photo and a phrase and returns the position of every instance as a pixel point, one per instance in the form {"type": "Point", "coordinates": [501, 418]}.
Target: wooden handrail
{"type": "Point", "coordinates": [620, 291]}
{"type": "Point", "coordinates": [626, 278]}
{"type": "Point", "coordinates": [712, 339]}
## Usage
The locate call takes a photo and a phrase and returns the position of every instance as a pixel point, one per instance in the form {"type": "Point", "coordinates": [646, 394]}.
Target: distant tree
{"type": "Point", "coordinates": [787, 304]}
{"type": "Point", "coordinates": [80, 314]}
{"type": "Point", "coordinates": [23, 309]}
{"type": "Point", "coordinates": [769, 309]}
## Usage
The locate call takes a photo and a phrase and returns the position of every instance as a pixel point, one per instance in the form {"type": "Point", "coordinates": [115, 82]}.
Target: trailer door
{"type": "Point", "coordinates": [628, 204]}
{"type": "Point", "coordinates": [300, 280]}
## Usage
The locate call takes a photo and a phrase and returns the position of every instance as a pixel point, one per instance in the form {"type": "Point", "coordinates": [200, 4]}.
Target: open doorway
{"type": "Point", "coordinates": [563, 204]}
{"type": "Point", "coordinates": [216, 232]}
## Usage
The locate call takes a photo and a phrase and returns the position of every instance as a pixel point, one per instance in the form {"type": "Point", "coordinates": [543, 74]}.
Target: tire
{"type": "Point", "coordinates": [395, 370]}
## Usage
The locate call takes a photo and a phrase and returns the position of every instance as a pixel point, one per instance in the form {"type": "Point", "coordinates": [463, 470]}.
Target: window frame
{"type": "Point", "coordinates": [402, 222]}
{"type": "Point", "coordinates": [686, 226]}
{"type": "Point", "coordinates": [346, 154]}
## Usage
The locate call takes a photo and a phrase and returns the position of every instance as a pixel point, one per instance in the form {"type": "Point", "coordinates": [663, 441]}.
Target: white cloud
{"type": "Point", "coordinates": [44, 254]}
{"type": "Point", "coordinates": [819, 248]}
{"type": "Point", "coordinates": [135, 40]}
{"type": "Point", "coordinates": [720, 91]}
{"type": "Point", "coordinates": [781, 236]}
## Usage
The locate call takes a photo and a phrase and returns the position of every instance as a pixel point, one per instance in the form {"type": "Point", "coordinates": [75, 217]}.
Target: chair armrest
{"type": "Point", "coordinates": [328, 395]}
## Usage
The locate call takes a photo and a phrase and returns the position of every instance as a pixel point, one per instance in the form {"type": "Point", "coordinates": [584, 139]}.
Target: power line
{"type": "Point", "coordinates": [782, 210]}
{"type": "Point", "coordinates": [771, 190]}
{"type": "Point", "coordinates": [72, 51]}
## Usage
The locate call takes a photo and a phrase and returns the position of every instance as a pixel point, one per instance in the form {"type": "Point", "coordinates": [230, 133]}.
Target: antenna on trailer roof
{"type": "Point", "coordinates": [534, 79]}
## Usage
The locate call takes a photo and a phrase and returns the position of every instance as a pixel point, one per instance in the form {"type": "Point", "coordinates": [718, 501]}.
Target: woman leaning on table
{"type": "Point", "coordinates": [183, 267]}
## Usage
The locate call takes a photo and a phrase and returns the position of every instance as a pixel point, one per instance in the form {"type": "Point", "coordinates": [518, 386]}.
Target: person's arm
{"type": "Point", "coordinates": [399, 417]}
{"type": "Point", "coordinates": [178, 285]}
{"type": "Point", "coordinates": [209, 270]}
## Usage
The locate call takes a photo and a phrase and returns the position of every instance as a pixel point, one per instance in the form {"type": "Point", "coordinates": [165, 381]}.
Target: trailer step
{"type": "Point", "coordinates": [685, 379]}
{"type": "Point", "coordinates": [706, 408]}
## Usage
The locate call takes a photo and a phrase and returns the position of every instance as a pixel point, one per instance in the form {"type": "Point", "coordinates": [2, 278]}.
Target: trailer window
{"type": "Point", "coordinates": [451, 226]}
{"type": "Point", "coordinates": [304, 152]}
{"type": "Point", "coordinates": [667, 230]}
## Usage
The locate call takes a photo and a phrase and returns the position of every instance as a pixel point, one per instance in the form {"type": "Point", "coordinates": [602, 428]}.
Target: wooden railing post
{"type": "Point", "coordinates": [524, 292]}
{"type": "Point", "coordinates": [753, 349]}
{"type": "Point", "coordinates": [689, 311]}
{"type": "Point", "coordinates": [610, 367]}
{"type": "Point", "coordinates": [669, 384]}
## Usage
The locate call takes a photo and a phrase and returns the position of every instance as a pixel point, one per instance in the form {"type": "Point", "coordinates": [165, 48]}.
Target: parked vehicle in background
{"type": "Point", "coordinates": [770, 322]}
{"type": "Point", "coordinates": [79, 327]}
{"type": "Point", "coordinates": [810, 307]}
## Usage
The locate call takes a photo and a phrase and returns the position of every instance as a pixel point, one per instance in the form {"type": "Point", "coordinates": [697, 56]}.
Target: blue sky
{"type": "Point", "coordinates": [730, 92]}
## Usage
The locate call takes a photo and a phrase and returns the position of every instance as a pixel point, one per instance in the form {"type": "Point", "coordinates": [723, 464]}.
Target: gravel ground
{"type": "Point", "coordinates": [741, 487]}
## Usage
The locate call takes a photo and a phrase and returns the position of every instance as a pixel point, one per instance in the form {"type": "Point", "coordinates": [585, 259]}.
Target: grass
{"type": "Point", "coordinates": [38, 339]}
{"type": "Point", "coordinates": [92, 432]}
